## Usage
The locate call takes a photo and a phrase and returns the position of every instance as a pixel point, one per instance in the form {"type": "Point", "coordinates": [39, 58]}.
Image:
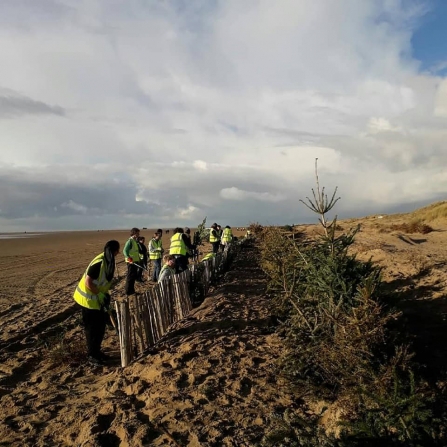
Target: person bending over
{"type": "Point", "coordinates": [180, 244]}
{"type": "Point", "coordinates": [93, 300]}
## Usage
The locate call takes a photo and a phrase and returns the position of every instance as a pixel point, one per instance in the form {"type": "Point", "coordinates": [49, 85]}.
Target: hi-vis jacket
{"type": "Point", "coordinates": [154, 246]}
{"type": "Point", "coordinates": [83, 295]}
{"type": "Point", "coordinates": [227, 235]}
{"type": "Point", "coordinates": [178, 246]}
{"type": "Point", "coordinates": [131, 250]}
{"type": "Point", "coordinates": [214, 236]}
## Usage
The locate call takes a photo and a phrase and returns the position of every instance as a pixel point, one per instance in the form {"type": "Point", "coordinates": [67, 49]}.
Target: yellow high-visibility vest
{"type": "Point", "coordinates": [178, 246]}
{"type": "Point", "coordinates": [83, 295]}
{"type": "Point", "coordinates": [212, 237]}
{"type": "Point", "coordinates": [155, 244]}
{"type": "Point", "coordinates": [134, 252]}
{"type": "Point", "coordinates": [227, 235]}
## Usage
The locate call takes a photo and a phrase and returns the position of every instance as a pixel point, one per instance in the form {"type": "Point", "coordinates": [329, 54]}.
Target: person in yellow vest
{"type": "Point", "coordinates": [92, 298]}
{"type": "Point", "coordinates": [180, 245]}
{"type": "Point", "coordinates": [214, 238]}
{"type": "Point", "coordinates": [155, 254]}
{"type": "Point", "coordinates": [248, 234]}
{"type": "Point", "coordinates": [131, 254]}
{"type": "Point", "coordinates": [227, 236]}
{"type": "Point", "coordinates": [168, 268]}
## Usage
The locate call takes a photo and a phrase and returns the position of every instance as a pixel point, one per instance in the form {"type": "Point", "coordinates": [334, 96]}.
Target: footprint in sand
{"type": "Point", "coordinates": [244, 386]}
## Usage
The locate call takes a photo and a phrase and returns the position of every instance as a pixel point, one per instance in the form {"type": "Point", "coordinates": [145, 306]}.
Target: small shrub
{"type": "Point", "coordinates": [255, 228]}
{"type": "Point", "coordinates": [65, 350]}
{"type": "Point", "coordinates": [294, 429]}
{"type": "Point", "coordinates": [200, 235]}
{"type": "Point", "coordinates": [399, 412]}
{"type": "Point", "coordinates": [412, 227]}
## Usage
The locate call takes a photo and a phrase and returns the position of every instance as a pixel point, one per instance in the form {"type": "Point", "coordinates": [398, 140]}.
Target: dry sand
{"type": "Point", "coordinates": [211, 381]}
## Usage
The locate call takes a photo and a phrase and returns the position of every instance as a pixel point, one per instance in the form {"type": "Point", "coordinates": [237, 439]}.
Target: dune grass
{"type": "Point", "coordinates": [431, 212]}
{"type": "Point", "coordinates": [412, 227]}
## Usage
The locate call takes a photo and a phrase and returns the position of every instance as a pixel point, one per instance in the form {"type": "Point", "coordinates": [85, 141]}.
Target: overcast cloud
{"type": "Point", "coordinates": [122, 113]}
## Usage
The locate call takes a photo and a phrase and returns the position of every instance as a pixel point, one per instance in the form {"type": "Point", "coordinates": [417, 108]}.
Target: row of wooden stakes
{"type": "Point", "coordinates": [143, 319]}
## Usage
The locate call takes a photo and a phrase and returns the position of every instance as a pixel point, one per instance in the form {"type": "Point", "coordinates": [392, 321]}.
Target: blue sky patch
{"type": "Point", "coordinates": [430, 39]}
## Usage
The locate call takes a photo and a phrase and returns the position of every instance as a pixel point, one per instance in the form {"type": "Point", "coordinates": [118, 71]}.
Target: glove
{"type": "Point", "coordinates": [129, 260]}
{"type": "Point", "coordinates": [101, 297]}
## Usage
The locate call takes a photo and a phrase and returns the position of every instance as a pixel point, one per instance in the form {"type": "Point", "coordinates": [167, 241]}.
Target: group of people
{"type": "Point", "coordinates": [137, 255]}
{"type": "Point", "coordinates": [91, 294]}
{"type": "Point", "coordinates": [220, 238]}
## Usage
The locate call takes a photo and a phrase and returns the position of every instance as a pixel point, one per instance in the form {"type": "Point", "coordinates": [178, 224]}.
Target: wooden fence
{"type": "Point", "coordinates": [144, 318]}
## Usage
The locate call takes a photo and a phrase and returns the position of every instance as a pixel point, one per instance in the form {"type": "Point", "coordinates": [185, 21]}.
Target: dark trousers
{"type": "Point", "coordinates": [94, 327]}
{"type": "Point", "coordinates": [157, 268]}
{"type": "Point", "coordinates": [215, 246]}
{"type": "Point", "coordinates": [181, 263]}
{"type": "Point", "coordinates": [132, 275]}
{"type": "Point", "coordinates": [140, 272]}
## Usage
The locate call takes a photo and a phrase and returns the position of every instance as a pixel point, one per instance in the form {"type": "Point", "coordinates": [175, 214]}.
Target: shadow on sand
{"type": "Point", "coordinates": [426, 321]}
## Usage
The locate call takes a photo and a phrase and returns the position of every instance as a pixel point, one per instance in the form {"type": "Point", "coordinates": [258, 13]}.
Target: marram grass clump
{"type": "Point", "coordinates": [431, 212]}
{"type": "Point", "coordinates": [412, 227]}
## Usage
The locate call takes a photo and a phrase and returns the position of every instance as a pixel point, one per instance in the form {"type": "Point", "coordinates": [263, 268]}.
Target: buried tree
{"type": "Point", "coordinates": [345, 344]}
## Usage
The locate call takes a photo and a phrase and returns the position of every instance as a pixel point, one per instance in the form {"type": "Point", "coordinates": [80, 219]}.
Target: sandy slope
{"type": "Point", "coordinates": [211, 381]}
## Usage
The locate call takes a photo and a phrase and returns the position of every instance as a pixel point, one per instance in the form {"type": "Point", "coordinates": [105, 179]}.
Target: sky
{"type": "Point", "coordinates": [123, 113]}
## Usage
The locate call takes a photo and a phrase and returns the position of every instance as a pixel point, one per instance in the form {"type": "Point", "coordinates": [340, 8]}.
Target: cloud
{"type": "Point", "coordinates": [241, 195]}
{"type": "Point", "coordinates": [155, 113]}
{"type": "Point", "coordinates": [441, 100]}
{"type": "Point", "coordinates": [200, 165]}
{"type": "Point", "coordinates": [75, 207]}
{"type": "Point", "coordinates": [377, 125]}
{"type": "Point", "coordinates": [13, 105]}
{"type": "Point", "coordinates": [187, 213]}
{"type": "Point", "coordinates": [42, 192]}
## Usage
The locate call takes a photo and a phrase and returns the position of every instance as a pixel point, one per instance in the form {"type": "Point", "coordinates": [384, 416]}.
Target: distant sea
{"type": "Point", "coordinates": [18, 235]}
